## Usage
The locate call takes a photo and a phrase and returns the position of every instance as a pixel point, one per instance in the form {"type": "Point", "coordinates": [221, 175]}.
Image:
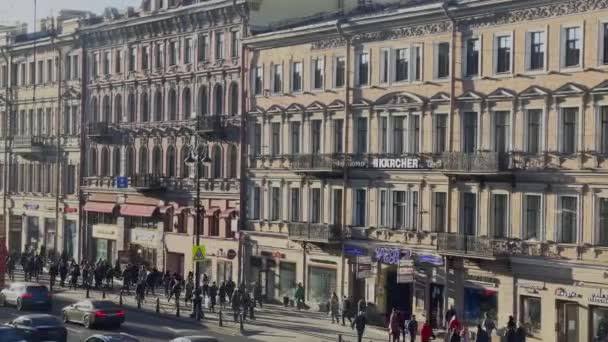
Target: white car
{"type": "Point", "coordinates": [112, 337]}
{"type": "Point", "coordinates": [195, 339]}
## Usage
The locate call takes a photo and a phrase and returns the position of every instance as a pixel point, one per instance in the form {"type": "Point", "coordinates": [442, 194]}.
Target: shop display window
{"type": "Point", "coordinates": [479, 301]}
{"type": "Point", "coordinates": [530, 310]}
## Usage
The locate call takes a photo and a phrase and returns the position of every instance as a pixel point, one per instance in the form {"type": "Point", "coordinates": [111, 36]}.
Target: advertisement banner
{"type": "Point", "coordinates": [405, 271]}
{"type": "Point", "coordinates": [364, 267]}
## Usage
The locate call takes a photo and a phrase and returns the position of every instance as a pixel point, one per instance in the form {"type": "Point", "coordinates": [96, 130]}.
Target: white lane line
{"type": "Point", "coordinates": [177, 331]}
{"type": "Point", "coordinates": [74, 330]}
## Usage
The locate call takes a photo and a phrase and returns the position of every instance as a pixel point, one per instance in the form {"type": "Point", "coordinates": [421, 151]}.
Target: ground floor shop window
{"type": "Point", "coordinates": [33, 234]}
{"type": "Point", "coordinates": [224, 271]}
{"type": "Point", "coordinates": [143, 255]}
{"type": "Point", "coordinates": [69, 236]}
{"type": "Point", "coordinates": [321, 284]}
{"type": "Point", "coordinates": [530, 314]}
{"type": "Point", "coordinates": [287, 279]}
{"type": "Point", "coordinates": [599, 324]}
{"type": "Point", "coordinates": [479, 301]}
{"type": "Point", "coordinates": [567, 321]}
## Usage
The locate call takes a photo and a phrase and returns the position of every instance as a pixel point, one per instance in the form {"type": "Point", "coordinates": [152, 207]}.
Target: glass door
{"type": "Point", "coordinates": [567, 324]}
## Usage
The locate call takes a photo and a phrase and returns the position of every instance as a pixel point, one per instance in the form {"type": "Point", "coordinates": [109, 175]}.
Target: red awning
{"type": "Point", "coordinates": [211, 211]}
{"type": "Point", "coordinates": [100, 207]}
{"type": "Point", "coordinates": [137, 210]}
{"type": "Point", "coordinates": [228, 212]}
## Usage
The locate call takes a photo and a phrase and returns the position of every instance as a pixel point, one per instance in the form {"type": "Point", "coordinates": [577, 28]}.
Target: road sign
{"type": "Point", "coordinates": [198, 253]}
{"type": "Point", "coordinates": [122, 182]}
{"type": "Point", "coordinates": [364, 267]}
{"type": "Point", "coordinates": [405, 271]}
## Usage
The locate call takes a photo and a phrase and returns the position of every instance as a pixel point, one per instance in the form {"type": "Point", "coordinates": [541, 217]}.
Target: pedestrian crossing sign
{"type": "Point", "coordinates": [198, 253]}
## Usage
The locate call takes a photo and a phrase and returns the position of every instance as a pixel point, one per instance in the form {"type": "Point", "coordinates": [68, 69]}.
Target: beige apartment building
{"type": "Point", "coordinates": [40, 99]}
{"type": "Point", "coordinates": [460, 147]}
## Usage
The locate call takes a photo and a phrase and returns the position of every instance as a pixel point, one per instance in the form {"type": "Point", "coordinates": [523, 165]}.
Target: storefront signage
{"type": "Point", "coordinates": [70, 210]}
{"type": "Point", "coordinates": [198, 253]}
{"type": "Point", "coordinates": [104, 232]}
{"type": "Point", "coordinates": [144, 236]}
{"type": "Point", "coordinates": [351, 250]}
{"type": "Point", "coordinates": [30, 206]}
{"type": "Point", "coordinates": [599, 298]}
{"type": "Point", "coordinates": [122, 182]}
{"type": "Point", "coordinates": [405, 272]}
{"type": "Point", "coordinates": [531, 284]}
{"type": "Point", "coordinates": [364, 267]}
{"type": "Point", "coordinates": [482, 279]}
{"type": "Point", "coordinates": [430, 259]}
{"type": "Point", "coordinates": [561, 292]}
{"type": "Point", "coordinates": [231, 254]}
{"type": "Point", "coordinates": [403, 163]}
{"type": "Point", "coordinates": [391, 256]}
{"type": "Point", "coordinates": [278, 255]}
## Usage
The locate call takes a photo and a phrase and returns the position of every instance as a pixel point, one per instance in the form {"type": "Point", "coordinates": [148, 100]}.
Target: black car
{"type": "Point", "coordinates": [11, 334]}
{"type": "Point", "coordinates": [93, 313]}
{"type": "Point", "coordinates": [40, 327]}
{"type": "Point", "coordinates": [26, 295]}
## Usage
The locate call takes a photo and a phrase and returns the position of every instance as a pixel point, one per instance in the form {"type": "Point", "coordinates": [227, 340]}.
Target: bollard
{"type": "Point", "coordinates": [120, 299]}
{"type": "Point", "coordinates": [339, 337]}
{"type": "Point", "coordinates": [241, 322]}
{"type": "Point", "coordinates": [103, 294]}
{"type": "Point", "coordinates": [138, 302]}
{"type": "Point", "coordinates": [251, 313]}
{"type": "Point", "coordinates": [88, 296]}
{"type": "Point", "coordinates": [177, 307]}
{"type": "Point", "coordinates": [157, 304]}
{"type": "Point", "coordinates": [221, 320]}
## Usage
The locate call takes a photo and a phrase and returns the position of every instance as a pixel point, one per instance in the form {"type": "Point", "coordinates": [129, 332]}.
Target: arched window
{"type": "Point", "coordinates": [233, 158]}
{"type": "Point", "coordinates": [92, 162]}
{"type": "Point", "coordinates": [234, 99]}
{"type": "Point", "coordinates": [158, 106]}
{"type": "Point", "coordinates": [217, 162]}
{"type": "Point", "coordinates": [172, 105]}
{"type": "Point", "coordinates": [171, 161]}
{"type": "Point", "coordinates": [130, 162]}
{"type": "Point", "coordinates": [131, 108]}
{"type": "Point", "coordinates": [157, 161]}
{"type": "Point", "coordinates": [105, 114]}
{"type": "Point", "coordinates": [105, 162]}
{"type": "Point", "coordinates": [218, 98]}
{"type": "Point", "coordinates": [143, 161]}
{"type": "Point", "coordinates": [117, 109]}
{"type": "Point", "coordinates": [203, 101]}
{"type": "Point", "coordinates": [145, 108]}
{"type": "Point", "coordinates": [94, 110]}
{"type": "Point", "coordinates": [116, 161]}
{"type": "Point", "coordinates": [187, 106]}
{"type": "Point", "coordinates": [185, 168]}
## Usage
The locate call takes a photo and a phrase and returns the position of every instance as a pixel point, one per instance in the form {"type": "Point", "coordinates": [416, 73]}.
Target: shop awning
{"type": "Point", "coordinates": [100, 207]}
{"type": "Point", "coordinates": [211, 211]}
{"type": "Point", "coordinates": [137, 210]}
{"type": "Point", "coordinates": [228, 212]}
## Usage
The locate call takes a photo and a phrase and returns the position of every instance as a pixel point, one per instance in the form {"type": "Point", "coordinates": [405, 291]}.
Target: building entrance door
{"type": "Point", "coordinates": [436, 307]}
{"type": "Point", "coordinates": [398, 296]}
{"type": "Point", "coordinates": [567, 321]}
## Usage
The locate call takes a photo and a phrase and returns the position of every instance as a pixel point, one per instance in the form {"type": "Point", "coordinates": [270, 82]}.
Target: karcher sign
{"type": "Point", "coordinates": [396, 163]}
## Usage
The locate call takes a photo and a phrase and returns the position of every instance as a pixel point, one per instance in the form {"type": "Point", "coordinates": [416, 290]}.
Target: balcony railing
{"type": "Point", "coordinates": [210, 124]}
{"type": "Point", "coordinates": [313, 232]}
{"type": "Point", "coordinates": [145, 181]}
{"type": "Point", "coordinates": [476, 162]}
{"type": "Point", "coordinates": [317, 162]}
{"type": "Point", "coordinates": [98, 129]}
{"type": "Point", "coordinates": [469, 245]}
{"type": "Point", "coordinates": [27, 142]}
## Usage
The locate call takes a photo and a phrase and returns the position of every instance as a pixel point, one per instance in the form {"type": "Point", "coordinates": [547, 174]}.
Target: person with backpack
{"type": "Point", "coordinates": [412, 328]}
{"type": "Point", "coordinates": [359, 324]}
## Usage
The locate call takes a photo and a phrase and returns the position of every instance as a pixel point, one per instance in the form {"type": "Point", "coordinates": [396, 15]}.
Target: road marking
{"type": "Point", "coordinates": [178, 331]}
{"type": "Point", "coordinates": [74, 330]}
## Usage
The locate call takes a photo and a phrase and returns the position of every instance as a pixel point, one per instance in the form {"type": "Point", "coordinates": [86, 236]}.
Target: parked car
{"type": "Point", "coordinates": [12, 334]}
{"type": "Point", "coordinates": [93, 313]}
{"type": "Point", "coordinates": [26, 295]}
{"type": "Point", "coordinates": [115, 337]}
{"type": "Point", "coordinates": [40, 327]}
{"type": "Point", "coordinates": [195, 339]}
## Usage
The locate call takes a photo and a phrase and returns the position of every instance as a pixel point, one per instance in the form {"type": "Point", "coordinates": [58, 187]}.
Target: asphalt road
{"type": "Point", "coordinates": [147, 327]}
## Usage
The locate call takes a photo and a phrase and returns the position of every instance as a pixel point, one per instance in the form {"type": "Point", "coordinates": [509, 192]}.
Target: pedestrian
{"type": "Point", "coordinates": [222, 294]}
{"type": "Point", "coordinates": [455, 336]}
{"type": "Point", "coordinates": [482, 334]}
{"type": "Point", "coordinates": [412, 328]}
{"type": "Point", "coordinates": [246, 304]}
{"type": "Point", "coordinates": [488, 323]}
{"type": "Point", "coordinates": [150, 282]}
{"type": "Point", "coordinates": [361, 305]}
{"type": "Point", "coordinates": [126, 279]}
{"type": "Point", "coordinates": [359, 324]}
{"type": "Point", "coordinates": [74, 276]}
{"type": "Point", "coordinates": [53, 271]}
{"type": "Point", "coordinates": [334, 308]}
{"type": "Point", "coordinates": [140, 292]}
{"type": "Point", "coordinates": [449, 315]}
{"type": "Point", "coordinates": [63, 272]}
{"type": "Point", "coordinates": [299, 296]}
{"type": "Point", "coordinates": [176, 289]}
{"type": "Point", "coordinates": [257, 294]}
{"type": "Point", "coordinates": [235, 301]}
{"type": "Point", "coordinates": [345, 307]}
{"type": "Point", "coordinates": [230, 285]}
{"type": "Point", "coordinates": [426, 333]}
{"type": "Point", "coordinates": [510, 335]}
{"type": "Point", "coordinates": [520, 332]}
{"type": "Point", "coordinates": [167, 283]}
{"type": "Point", "coordinates": [394, 325]}
{"type": "Point", "coordinates": [454, 324]}
{"type": "Point", "coordinates": [212, 296]}
{"type": "Point", "coordinates": [189, 290]}
{"type": "Point", "coordinates": [511, 323]}
{"type": "Point", "coordinates": [205, 285]}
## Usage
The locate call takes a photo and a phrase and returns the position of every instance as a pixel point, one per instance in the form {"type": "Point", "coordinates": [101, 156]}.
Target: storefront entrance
{"type": "Point", "coordinates": [33, 234]}
{"type": "Point", "coordinates": [398, 296]}
{"type": "Point", "coordinates": [478, 302]}
{"type": "Point", "coordinates": [567, 321]}
{"type": "Point", "coordinates": [436, 306]}
{"type": "Point", "coordinates": [175, 262]}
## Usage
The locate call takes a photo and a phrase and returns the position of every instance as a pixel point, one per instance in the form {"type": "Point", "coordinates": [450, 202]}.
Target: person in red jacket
{"type": "Point", "coordinates": [426, 333]}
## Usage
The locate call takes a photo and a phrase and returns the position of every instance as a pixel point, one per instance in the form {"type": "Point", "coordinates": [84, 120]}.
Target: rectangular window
{"type": "Point", "coordinates": [318, 73]}
{"type": "Point", "coordinates": [569, 126]}
{"type": "Point", "coordinates": [106, 63]}
{"type": "Point", "coordinates": [604, 129]}
{"type": "Point", "coordinates": [277, 78]}
{"type": "Point", "coordinates": [441, 132]}
{"type": "Point", "coordinates": [501, 131]}
{"type": "Point", "coordinates": [534, 132]}
{"type": "Point", "coordinates": [203, 48]}
{"type": "Point", "coordinates": [417, 65]}
{"type": "Point", "coordinates": [172, 53]}
{"type": "Point", "coordinates": [315, 128]}
{"type": "Point", "coordinates": [340, 71]}
{"type": "Point", "coordinates": [40, 72]}
{"type": "Point", "coordinates": [384, 134]}
{"type": "Point", "coordinates": [49, 70]}
{"type": "Point", "coordinates": [360, 207]}
{"type": "Point", "coordinates": [118, 62]}
{"type": "Point", "coordinates": [32, 73]}
{"type": "Point", "coordinates": [604, 32]}
{"type": "Point", "coordinates": [402, 65]}
{"type": "Point", "coordinates": [603, 222]}
{"type": "Point", "coordinates": [531, 314]}
{"type": "Point", "coordinates": [472, 55]}
{"type": "Point", "coordinates": [500, 216]}
{"type": "Point", "coordinates": [294, 210]}
{"type": "Point", "coordinates": [382, 208]}
{"type": "Point", "coordinates": [532, 218]}
{"type": "Point", "coordinates": [257, 139]}
{"type": "Point", "coordinates": [337, 206]}
{"type": "Point", "coordinates": [75, 67]}
{"type": "Point", "coordinates": [338, 135]}
{"type": "Point", "coordinates": [363, 68]}
{"type": "Point", "coordinates": [443, 60]}
{"type": "Point", "coordinates": [315, 205]}
{"type": "Point", "coordinates": [503, 54]}
{"type": "Point", "coordinates": [399, 208]}
{"type": "Point", "coordinates": [361, 135]}
{"type": "Point", "coordinates": [4, 76]}
{"type": "Point", "coordinates": [384, 65]}
{"type": "Point", "coordinates": [296, 77]}
{"type": "Point", "coordinates": [536, 53]}
{"type": "Point", "coordinates": [219, 45]}
{"type": "Point", "coordinates": [24, 66]}
{"type": "Point", "coordinates": [275, 147]}
{"type": "Point", "coordinates": [71, 180]}
{"type": "Point", "coordinates": [399, 134]}
{"type": "Point", "coordinates": [256, 203]}
{"type": "Point", "coordinates": [132, 58]}
{"type": "Point", "coordinates": [414, 131]}
{"type": "Point", "coordinates": [275, 203]}
{"type": "Point", "coordinates": [188, 51]}
{"type": "Point", "coordinates": [234, 44]}
{"type": "Point", "coordinates": [572, 46]}
{"type": "Point", "coordinates": [258, 85]}
{"type": "Point", "coordinates": [439, 211]}
{"type": "Point", "coordinates": [295, 137]}
{"type": "Point", "coordinates": [469, 132]}
{"type": "Point", "coordinates": [469, 213]}
{"type": "Point", "coordinates": [568, 219]}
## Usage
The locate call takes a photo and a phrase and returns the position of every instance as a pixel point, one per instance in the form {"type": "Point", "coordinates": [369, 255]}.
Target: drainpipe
{"type": "Point", "coordinates": [82, 243]}
{"type": "Point", "coordinates": [58, 154]}
{"type": "Point", "coordinates": [347, 101]}
{"type": "Point", "coordinates": [7, 134]}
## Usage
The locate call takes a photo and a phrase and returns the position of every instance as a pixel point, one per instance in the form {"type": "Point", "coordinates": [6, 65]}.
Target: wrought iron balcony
{"type": "Point", "coordinates": [475, 162]}
{"type": "Point", "coordinates": [210, 124]}
{"type": "Point", "coordinates": [313, 232]}
{"type": "Point", "coordinates": [99, 130]}
{"type": "Point", "coordinates": [28, 145]}
{"type": "Point", "coordinates": [317, 163]}
{"type": "Point", "coordinates": [465, 245]}
{"type": "Point", "coordinates": [144, 182]}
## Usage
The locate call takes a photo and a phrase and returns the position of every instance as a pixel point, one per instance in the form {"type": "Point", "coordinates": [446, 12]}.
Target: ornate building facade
{"type": "Point", "coordinates": [430, 155]}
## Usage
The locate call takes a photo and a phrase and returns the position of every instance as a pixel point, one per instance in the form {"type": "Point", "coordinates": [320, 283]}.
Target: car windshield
{"type": "Point", "coordinates": [104, 305]}
{"type": "Point", "coordinates": [47, 320]}
{"type": "Point", "coordinates": [37, 290]}
{"type": "Point", "coordinates": [11, 335]}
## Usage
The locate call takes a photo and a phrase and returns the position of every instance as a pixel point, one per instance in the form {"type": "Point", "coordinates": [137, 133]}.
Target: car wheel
{"type": "Point", "coordinates": [19, 305]}
{"type": "Point", "coordinates": [87, 322]}
{"type": "Point", "coordinates": [65, 317]}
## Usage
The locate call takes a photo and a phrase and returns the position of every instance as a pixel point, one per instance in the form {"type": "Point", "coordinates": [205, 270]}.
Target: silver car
{"type": "Point", "coordinates": [111, 337]}
{"type": "Point", "coordinates": [195, 339]}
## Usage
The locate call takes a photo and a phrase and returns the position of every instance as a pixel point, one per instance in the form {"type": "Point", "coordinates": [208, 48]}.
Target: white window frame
{"type": "Point", "coordinates": [477, 130]}
{"type": "Point", "coordinates": [291, 209]}
{"type": "Point", "coordinates": [385, 66]}
{"type": "Point", "coordinates": [385, 212]}
{"type": "Point", "coordinates": [598, 195]}
{"type": "Point", "coordinates": [356, 133]}
{"type": "Point", "coordinates": [354, 212]}
{"type": "Point", "coordinates": [393, 64]}
{"type": "Point", "coordinates": [433, 212]}
{"type": "Point", "coordinates": [493, 129]}
{"type": "Point", "coordinates": [313, 79]}
{"type": "Point", "coordinates": [541, 146]}
{"type": "Point", "coordinates": [562, 47]}
{"type": "Point", "coordinates": [270, 207]}
{"type": "Point", "coordinates": [252, 188]}
{"type": "Point", "coordinates": [495, 38]}
{"type": "Point", "coordinates": [558, 212]}
{"type": "Point", "coordinates": [292, 66]}
{"type": "Point", "coordinates": [465, 54]}
{"type": "Point", "coordinates": [332, 201]}
{"type": "Point", "coordinates": [436, 61]}
{"type": "Point", "coordinates": [528, 50]}
{"type": "Point", "coordinates": [598, 127]}
{"type": "Point", "coordinates": [600, 43]}
{"type": "Point", "coordinates": [369, 68]}
{"type": "Point", "coordinates": [413, 48]}
{"type": "Point", "coordinates": [272, 75]}
{"type": "Point", "coordinates": [335, 71]}
{"type": "Point", "coordinates": [524, 210]}
{"type": "Point", "coordinates": [560, 128]}
{"type": "Point", "coordinates": [461, 227]}
{"type": "Point", "coordinates": [253, 77]}
{"type": "Point", "coordinates": [435, 133]}
{"type": "Point", "coordinates": [409, 217]}
{"type": "Point", "coordinates": [321, 205]}
{"type": "Point", "coordinates": [491, 216]}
